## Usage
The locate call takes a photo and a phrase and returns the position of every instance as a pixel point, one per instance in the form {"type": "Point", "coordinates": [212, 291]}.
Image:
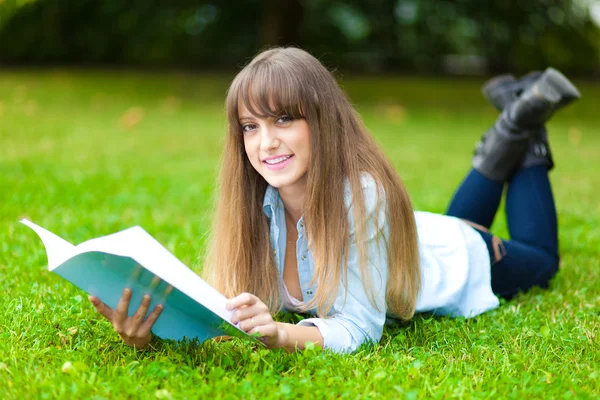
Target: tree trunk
{"type": "Point", "coordinates": [282, 22]}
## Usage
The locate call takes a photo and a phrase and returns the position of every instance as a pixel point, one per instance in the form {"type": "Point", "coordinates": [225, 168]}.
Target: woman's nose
{"type": "Point", "coordinates": [269, 139]}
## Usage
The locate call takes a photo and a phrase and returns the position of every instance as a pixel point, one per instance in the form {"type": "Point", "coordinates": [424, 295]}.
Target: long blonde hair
{"type": "Point", "coordinates": [290, 81]}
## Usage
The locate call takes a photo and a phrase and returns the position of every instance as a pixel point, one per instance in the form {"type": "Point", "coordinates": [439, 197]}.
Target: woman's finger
{"type": "Point", "coordinates": [255, 321]}
{"type": "Point", "coordinates": [138, 317]}
{"type": "Point", "coordinates": [247, 312]}
{"type": "Point", "coordinates": [269, 330]}
{"type": "Point", "coordinates": [249, 324]}
{"type": "Point", "coordinates": [120, 315]}
{"type": "Point", "coordinates": [149, 322]}
{"type": "Point", "coordinates": [102, 308]}
{"type": "Point", "coordinates": [244, 299]}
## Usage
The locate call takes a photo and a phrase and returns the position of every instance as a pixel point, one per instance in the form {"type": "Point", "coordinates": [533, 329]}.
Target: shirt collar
{"type": "Point", "coordinates": [271, 200]}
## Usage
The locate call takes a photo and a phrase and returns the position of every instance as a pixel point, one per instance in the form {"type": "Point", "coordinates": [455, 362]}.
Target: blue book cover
{"type": "Point", "coordinates": [132, 258]}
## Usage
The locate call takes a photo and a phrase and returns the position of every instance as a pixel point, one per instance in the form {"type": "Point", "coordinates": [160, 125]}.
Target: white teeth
{"type": "Point", "coordinates": [277, 160]}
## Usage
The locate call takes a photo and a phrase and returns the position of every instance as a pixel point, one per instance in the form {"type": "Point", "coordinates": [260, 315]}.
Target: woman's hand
{"type": "Point", "coordinates": [254, 317]}
{"type": "Point", "coordinates": [134, 330]}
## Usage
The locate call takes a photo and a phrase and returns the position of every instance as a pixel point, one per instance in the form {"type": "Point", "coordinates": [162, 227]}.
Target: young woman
{"type": "Point", "coordinates": [312, 217]}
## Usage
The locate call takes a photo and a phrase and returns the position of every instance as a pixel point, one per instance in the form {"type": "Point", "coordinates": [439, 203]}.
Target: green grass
{"type": "Point", "coordinates": [70, 163]}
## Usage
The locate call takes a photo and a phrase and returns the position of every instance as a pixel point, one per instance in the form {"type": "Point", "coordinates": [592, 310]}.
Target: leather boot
{"type": "Point", "coordinates": [505, 146]}
{"type": "Point", "coordinates": [502, 90]}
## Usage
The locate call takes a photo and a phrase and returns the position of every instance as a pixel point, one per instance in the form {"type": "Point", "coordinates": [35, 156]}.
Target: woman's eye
{"type": "Point", "coordinates": [284, 119]}
{"type": "Point", "coordinates": [248, 128]}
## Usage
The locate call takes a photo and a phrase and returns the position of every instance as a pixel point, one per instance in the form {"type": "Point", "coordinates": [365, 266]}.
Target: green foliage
{"type": "Point", "coordinates": [425, 35]}
{"type": "Point", "coordinates": [135, 32]}
{"type": "Point", "coordinates": [89, 153]}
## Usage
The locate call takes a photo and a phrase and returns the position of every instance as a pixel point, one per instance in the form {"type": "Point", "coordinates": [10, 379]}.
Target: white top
{"type": "Point", "coordinates": [455, 267]}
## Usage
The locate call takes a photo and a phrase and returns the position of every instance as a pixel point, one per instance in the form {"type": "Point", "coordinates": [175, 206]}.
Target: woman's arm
{"type": "Point", "coordinates": [253, 317]}
{"type": "Point", "coordinates": [295, 337]}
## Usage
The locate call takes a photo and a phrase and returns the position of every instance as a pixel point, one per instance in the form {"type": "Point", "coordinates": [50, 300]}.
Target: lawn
{"type": "Point", "coordinates": [88, 153]}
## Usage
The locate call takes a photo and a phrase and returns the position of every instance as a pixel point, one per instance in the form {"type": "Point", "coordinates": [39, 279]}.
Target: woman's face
{"type": "Point", "coordinates": [278, 148]}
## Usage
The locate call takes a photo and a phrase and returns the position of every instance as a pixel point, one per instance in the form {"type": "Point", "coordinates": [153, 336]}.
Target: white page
{"type": "Point", "coordinates": [58, 249]}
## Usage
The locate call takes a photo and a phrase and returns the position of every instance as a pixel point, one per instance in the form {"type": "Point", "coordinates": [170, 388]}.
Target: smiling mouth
{"type": "Point", "coordinates": [278, 160]}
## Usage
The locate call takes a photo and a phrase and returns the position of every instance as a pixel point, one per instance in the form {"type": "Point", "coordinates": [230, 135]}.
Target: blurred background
{"type": "Point", "coordinates": [464, 37]}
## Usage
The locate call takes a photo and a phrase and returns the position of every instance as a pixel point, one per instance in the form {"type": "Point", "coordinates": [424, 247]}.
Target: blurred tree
{"type": "Point", "coordinates": [282, 22]}
{"type": "Point", "coordinates": [365, 35]}
{"type": "Point", "coordinates": [531, 34]}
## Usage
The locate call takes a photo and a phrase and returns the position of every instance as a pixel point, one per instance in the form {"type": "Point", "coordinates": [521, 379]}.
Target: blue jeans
{"type": "Point", "coordinates": [530, 258]}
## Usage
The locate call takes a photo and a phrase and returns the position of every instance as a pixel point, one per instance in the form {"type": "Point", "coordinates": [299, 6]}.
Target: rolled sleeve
{"type": "Point", "coordinates": [354, 319]}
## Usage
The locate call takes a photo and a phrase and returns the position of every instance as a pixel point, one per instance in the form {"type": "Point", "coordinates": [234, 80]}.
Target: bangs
{"type": "Point", "coordinates": [268, 90]}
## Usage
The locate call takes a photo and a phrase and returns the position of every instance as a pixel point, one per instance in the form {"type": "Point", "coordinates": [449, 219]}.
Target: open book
{"type": "Point", "coordinates": [132, 258]}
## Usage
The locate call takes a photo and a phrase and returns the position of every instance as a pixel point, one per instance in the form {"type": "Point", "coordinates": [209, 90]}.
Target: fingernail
{"type": "Point", "coordinates": [228, 306]}
{"type": "Point", "coordinates": [146, 297]}
{"type": "Point", "coordinates": [127, 291]}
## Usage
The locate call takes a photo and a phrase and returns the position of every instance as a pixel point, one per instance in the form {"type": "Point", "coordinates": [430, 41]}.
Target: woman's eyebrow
{"type": "Point", "coordinates": [245, 117]}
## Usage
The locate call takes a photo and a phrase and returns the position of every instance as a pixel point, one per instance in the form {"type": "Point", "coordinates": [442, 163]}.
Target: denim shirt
{"type": "Point", "coordinates": [455, 270]}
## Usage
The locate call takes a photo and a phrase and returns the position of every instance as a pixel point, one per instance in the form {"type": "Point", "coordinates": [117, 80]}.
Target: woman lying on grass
{"type": "Point", "coordinates": [312, 217]}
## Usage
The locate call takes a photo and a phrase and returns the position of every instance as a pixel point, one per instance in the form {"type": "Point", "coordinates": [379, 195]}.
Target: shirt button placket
{"type": "Point", "coordinates": [302, 251]}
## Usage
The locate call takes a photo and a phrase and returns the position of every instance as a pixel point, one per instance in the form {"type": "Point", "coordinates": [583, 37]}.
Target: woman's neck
{"type": "Point", "coordinates": [293, 201]}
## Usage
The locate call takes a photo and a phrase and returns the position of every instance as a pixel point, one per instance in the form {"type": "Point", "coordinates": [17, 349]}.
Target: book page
{"type": "Point", "coordinates": [58, 249]}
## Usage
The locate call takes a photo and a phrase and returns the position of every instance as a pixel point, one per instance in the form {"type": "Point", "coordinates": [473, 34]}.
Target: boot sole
{"type": "Point", "coordinates": [554, 87]}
